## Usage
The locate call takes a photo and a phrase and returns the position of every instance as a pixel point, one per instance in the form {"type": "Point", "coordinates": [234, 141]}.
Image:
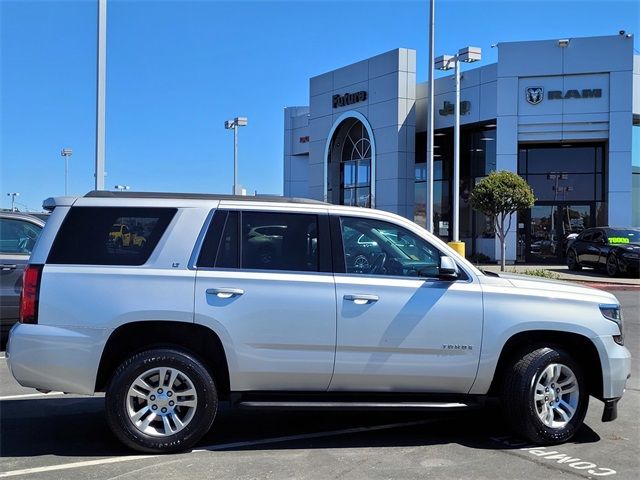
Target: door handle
{"type": "Point", "coordinates": [225, 292]}
{"type": "Point", "coordinates": [7, 266]}
{"type": "Point", "coordinates": [362, 299]}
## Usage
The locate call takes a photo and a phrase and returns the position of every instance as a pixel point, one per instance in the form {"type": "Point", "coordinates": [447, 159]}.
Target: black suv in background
{"type": "Point", "coordinates": [615, 250]}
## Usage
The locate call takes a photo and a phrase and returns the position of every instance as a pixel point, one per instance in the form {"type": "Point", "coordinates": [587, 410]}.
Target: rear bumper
{"type": "Point", "coordinates": [56, 358]}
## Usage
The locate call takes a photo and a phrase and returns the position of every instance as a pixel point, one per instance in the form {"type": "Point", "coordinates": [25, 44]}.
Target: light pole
{"type": "Point", "coordinates": [446, 62]}
{"type": "Point", "coordinates": [13, 196]}
{"type": "Point", "coordinates": [122, 188]}
{"type": "Point", "coordinates": [234, 125]}
{"type": "Point", "coordinates": [101, 78]}
{"type": "Point", "coordinates": [430, 120]}
{"type": "Point", "coordinates": [66, 153]}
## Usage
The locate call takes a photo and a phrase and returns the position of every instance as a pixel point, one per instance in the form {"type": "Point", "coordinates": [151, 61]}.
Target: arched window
{"type": "Point", "coordinates": [349, 165]}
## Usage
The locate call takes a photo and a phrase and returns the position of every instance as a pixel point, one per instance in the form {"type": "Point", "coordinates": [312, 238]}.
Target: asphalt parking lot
{"type": "Point", "coordinates": [57, 436]}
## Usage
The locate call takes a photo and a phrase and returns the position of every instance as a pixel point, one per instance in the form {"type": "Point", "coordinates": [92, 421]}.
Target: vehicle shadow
{"type": "Point", "coordinates": [76, 427]}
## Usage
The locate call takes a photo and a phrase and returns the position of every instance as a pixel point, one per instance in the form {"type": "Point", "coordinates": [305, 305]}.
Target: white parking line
{"type": "Point", "coordinates": [67, 466]}
{"type": "Point", "coordinates": [213, 448]}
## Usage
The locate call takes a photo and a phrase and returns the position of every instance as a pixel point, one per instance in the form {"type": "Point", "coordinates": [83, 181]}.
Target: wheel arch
{"type": "Point", "coordinates": [135, 337]}
{"type": "Point", "coordinates": [581, 348]}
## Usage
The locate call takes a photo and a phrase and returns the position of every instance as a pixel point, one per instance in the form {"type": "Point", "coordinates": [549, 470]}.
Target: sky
{"type": "Point", "coordinates": [176, 70]}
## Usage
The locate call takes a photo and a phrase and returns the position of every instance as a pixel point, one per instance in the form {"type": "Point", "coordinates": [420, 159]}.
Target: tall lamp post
{"type": "Point", "coordinates": [101, 79]}
{"type": "Point", "coordinates": [66, 153]}
{"type": "Point", "coordinates": [13, 196]}
{"type": "Point", "coordinates": [234, 125]}
{"type": "Point", "coordinates": [430, 125]}
{"type": "Point", "coordinates": [446, 62]}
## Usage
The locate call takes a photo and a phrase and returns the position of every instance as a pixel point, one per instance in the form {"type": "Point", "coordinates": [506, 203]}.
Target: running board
{"type": "Point", "coordinates": [358, 405]}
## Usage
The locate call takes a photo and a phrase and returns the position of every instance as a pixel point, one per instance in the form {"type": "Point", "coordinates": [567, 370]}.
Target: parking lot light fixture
{"type": "Point", "coordinates": [66, 153]}
{"type": "Point", "coordinates": [447, 62]}
{"type": "Point", "coordinates": [233, 125]}
{"type": "Point", "coordinates": [13, 196]}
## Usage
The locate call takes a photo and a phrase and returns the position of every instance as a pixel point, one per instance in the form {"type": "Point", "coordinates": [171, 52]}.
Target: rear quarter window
{"type": "Point", "coordinates": [109, 235]}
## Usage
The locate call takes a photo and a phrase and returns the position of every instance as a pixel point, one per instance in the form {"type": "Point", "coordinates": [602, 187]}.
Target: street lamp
{"type": "Point", "coordinates": [66, 153]}
{"type": "Point", "coordinates": [233, 125]}
{"type": "Point", "coordinates": [13, 196]}
{"type": "Point", "coordinates": [446, 62]}
{"type": "Point", "coordinates": [122, 188]}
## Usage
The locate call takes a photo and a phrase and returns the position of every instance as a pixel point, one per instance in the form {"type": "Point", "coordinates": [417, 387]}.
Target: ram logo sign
{"type": "Point", "coordinates": [534, 95]}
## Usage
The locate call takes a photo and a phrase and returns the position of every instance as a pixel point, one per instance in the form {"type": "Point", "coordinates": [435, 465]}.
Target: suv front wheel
{"type": "Point", "coordinates": [544, 396]}
{"type": "Point", "coordinates": [161, 401]}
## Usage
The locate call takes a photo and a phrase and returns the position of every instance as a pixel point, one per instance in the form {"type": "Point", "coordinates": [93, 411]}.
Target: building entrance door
{"type": "Point", "coordinates": [548, 228]}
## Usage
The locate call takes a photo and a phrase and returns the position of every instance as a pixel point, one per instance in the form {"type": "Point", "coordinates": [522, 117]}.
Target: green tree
{"type": "Point", "coordinates": [499, 196]}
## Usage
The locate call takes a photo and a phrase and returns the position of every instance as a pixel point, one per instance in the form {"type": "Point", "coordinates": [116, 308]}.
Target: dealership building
{"type": "Point", "coordinates": [563, 114]}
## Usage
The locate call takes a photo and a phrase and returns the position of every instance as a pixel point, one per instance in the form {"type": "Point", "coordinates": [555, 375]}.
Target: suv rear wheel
{"type": "Point", "coordinates": [544, 396]}
{"type": "Point", "coordinates": [161, 400]}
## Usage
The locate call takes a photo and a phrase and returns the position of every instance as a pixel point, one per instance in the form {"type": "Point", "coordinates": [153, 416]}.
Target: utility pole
{"type": "Point", "coordinates": [100, 93]}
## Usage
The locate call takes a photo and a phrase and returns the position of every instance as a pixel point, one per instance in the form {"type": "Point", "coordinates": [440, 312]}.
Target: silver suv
{"type": "Point", "coordinates": [350, 307]}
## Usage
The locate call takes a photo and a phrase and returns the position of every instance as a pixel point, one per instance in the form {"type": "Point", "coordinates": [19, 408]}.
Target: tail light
{"type": "Point", "coordinates": [30, 292]}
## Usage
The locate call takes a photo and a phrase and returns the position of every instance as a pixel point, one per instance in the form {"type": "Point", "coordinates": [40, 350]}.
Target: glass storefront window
{"type": "Point", "coordinates": [569, 184]}
{"type": "Point", "coordinates": [569, 159]}
{"type": "Point", "coordinates": [349, 165]}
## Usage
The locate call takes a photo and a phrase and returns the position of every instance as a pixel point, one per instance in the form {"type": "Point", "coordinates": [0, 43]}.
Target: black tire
{"type": "Point", "coordinates": [118, 243]}
{"type": "Point", "coordinates": [572, 261]}
{"type": "Point", "coordinates": [520, 406]}
{"type": "Point", "coordinates": [612, 267]}
{"type": "Point", "coordinates": [117, 401]}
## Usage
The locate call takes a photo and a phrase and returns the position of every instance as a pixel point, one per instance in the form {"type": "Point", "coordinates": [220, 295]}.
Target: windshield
{"type": "Point", "coordinates": [621, 236]}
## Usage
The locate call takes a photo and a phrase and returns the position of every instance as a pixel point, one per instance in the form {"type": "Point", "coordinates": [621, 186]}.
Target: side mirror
{"type": "Point", "coordinates": [448, 269]}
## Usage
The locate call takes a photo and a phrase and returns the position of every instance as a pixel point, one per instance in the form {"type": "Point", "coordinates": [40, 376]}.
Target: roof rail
{"type": "Point", "coordinates": [200, 196]}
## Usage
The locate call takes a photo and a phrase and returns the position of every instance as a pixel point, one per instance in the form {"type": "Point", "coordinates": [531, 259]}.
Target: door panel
{"type": "Point", "coordinates": [400, 328]}
{"type": "Point", "coordinates": [419, 336]}
{"type": "Point", "coordinates": [11, 269]}
{"type": "Point", "coordinates": [280, 328]}
{"type": "Point", "coordinates": [270, 295]}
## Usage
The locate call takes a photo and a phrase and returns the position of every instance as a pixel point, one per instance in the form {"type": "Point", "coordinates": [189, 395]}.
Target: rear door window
{"type": "Point", "coordinates": [102, 235]}
{"type": "Point", "coordinates": [279, 241]}
{"type": "Point", "coordinates": [255, 240]}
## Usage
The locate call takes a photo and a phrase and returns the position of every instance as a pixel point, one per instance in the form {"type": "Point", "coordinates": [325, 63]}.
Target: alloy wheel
{"type": "Point", "coordinates": [556, 395]}
{"type": "Point", "coordinates": [161, 401]}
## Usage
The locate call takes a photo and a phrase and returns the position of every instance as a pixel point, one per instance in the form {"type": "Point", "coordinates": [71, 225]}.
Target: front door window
{"type": "Point", "coordinates": [372, 247]}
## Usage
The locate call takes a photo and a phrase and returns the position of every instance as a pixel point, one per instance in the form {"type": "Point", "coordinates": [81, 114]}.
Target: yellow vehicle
{"type": "Point", "coordinates": [123, 236]}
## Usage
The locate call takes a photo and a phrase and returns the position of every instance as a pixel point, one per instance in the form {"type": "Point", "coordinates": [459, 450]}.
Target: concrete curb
{"type": "Point", "coordinates": [585, 276]}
